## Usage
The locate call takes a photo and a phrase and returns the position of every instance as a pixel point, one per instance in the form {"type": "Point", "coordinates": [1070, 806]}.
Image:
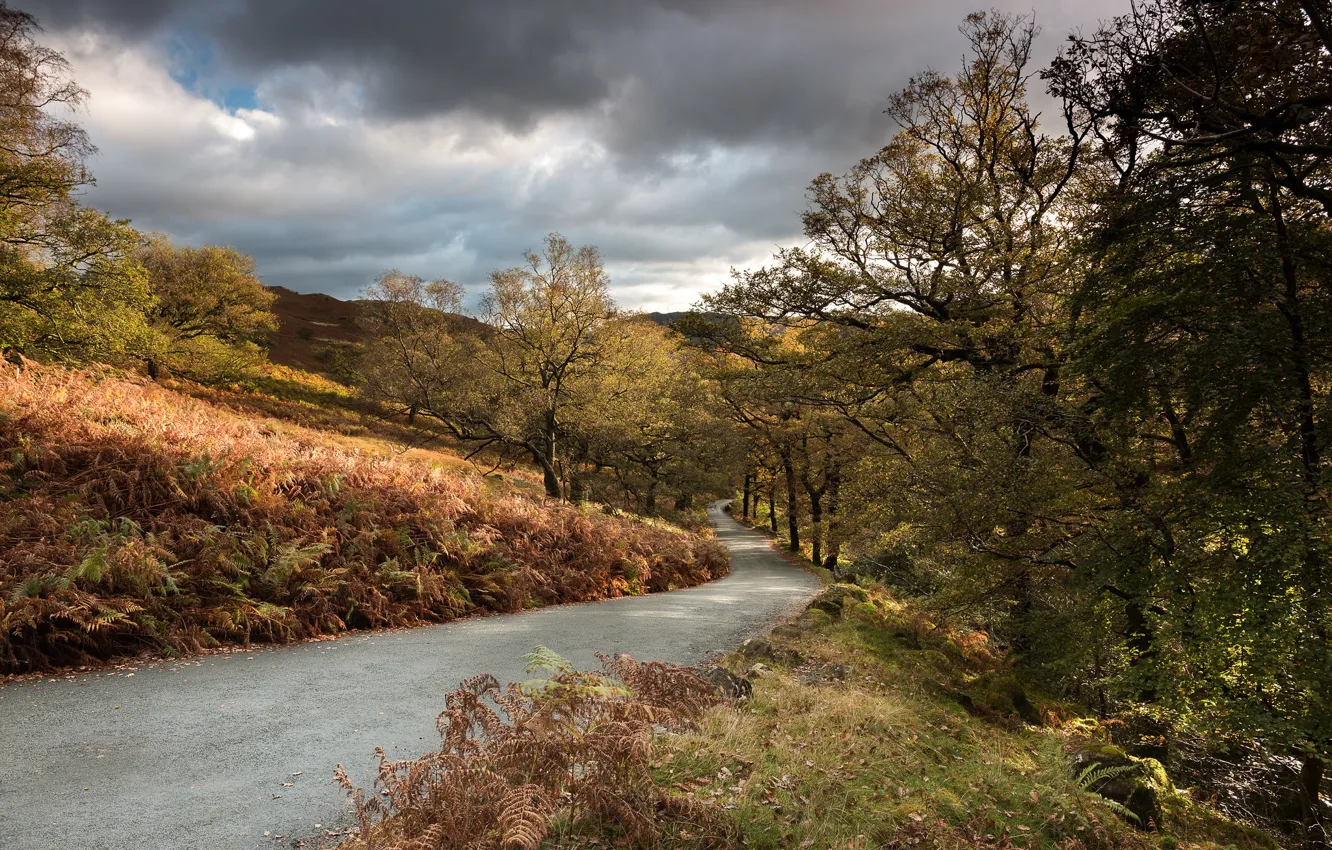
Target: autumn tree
{"type": "Point", "coordinates": [526, 378]}
{"type": "Point", "coordinates": [655, 427]}
{"type": "Point", "coordinates": [208, 306]}
{"type": "Point", "coordinates": [929, 303]}
{"type": "Point", "coordinates": [67, 284]}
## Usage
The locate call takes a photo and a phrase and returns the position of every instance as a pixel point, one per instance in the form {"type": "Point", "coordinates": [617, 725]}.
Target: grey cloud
{"type": "Point", "coordinates": [705, 119]}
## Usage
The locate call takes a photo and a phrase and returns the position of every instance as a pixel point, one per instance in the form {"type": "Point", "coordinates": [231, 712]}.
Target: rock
{"type": "Point", "coordinates": [1135, 784]}
{"type": "Point", "coordinates": [864, 611]}
{"type": "Point", "coordinates": [727, 684]}
{"type": "Point", "coordinates": [998, 693]}
{"type": "Point", "coordinates": [812, 619]}
{"type": "Point", "coordinates": [967, 703]}
{"type": "Point", "coordinates": [788, 630]}
{"type": "Point", "coordinates": [823, 673]}
{"type": "Point", "coordinates": [833, 600]}
{"type": "Point", "coordinates": [758, 671]}
{"type": "Point", "coordinates": [762, 649]}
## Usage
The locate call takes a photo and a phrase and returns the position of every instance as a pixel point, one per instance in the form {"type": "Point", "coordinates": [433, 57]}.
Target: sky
{"type": "Point", "coordinates": [334, 139]}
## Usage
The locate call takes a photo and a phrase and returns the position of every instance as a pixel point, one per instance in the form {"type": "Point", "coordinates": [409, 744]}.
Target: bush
{"type": "Point", "coordinates": [574, 746]}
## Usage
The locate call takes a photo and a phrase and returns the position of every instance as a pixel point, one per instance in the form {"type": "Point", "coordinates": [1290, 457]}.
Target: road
{"type": "Point", "coordinates": [198, 753]}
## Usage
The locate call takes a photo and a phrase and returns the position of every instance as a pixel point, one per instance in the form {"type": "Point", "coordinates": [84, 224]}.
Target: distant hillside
{"type": "Point", "coordinates": [308, 321]}
{"type": "Point", "coordinates": [309, 324]}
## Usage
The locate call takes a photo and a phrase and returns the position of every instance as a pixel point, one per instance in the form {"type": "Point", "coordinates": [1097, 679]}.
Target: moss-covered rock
{"type": "Point", "coordinates": [1135, 784]}
{"type": "Point", "coordinates": [866, 611]}
{"type": "Point", "coordinates": [813, 618]}
{"type": "Point", "coordinates": [999, 694]}
{"type": "Point", "coordinates": [836, 599]}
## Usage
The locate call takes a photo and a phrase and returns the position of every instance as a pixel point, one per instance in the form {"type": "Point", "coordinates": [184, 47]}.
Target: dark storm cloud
{"type": "Point", "coordinates": [689, 71]}
{"type": "Point", "coordinates": [700, 122]}
{"type": "Point", "coordinates": [134, 17]}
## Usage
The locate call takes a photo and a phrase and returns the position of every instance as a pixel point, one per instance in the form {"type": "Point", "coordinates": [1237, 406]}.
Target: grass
{"type": "Point", "coordinates": [882, 755]}
{"type": "Point", "coordinates": [134, 518]}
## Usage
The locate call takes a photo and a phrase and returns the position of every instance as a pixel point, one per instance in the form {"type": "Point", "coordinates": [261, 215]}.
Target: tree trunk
{"type": "Point", "coordinates": [834, 526]}
{"type": "Point", "coordinates": [684, 501]}
{"type": "Point", "coordinates": [1311, 785]}
{"type": "Point", "coordinates": [749, 482]}
{"type": "Point", "coordinates": [816, 526]}
{"type": "Point", "coordinates": [772, 505]}
{"type": "Point", "coordinates": [792, 503]}
{"type": "Point", "coordinates": [549, 476]}
{"type": "Point", "coordinates": [1138, 633]}
{"type": "Point", "coordinates": [154, 371]}
{"type": "Point", "coordinates": [650, 500]}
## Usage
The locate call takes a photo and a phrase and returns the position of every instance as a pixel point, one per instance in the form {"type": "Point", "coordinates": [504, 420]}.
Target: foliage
{"type": "Point", "coordinates": [553, 372]}
{"type": "Point", "coordinates": [209, 310]}
{"type": "Point", "coordinates": [134, 518]}
{"type": "Point", "coordinates": [575, 749]}
{"type": "Point", "coordinates": [516, 384]}
{"type": "Point", "coordinates": [1077, 383]}
{"type": "Point", "coordinates": [886, 756]}
{"type": "Point", "coordinates": [68, 286]}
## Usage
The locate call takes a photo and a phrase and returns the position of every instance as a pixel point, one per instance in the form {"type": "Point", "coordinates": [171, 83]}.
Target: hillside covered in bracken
{"type": "Point", "coordinates": [137, 519]}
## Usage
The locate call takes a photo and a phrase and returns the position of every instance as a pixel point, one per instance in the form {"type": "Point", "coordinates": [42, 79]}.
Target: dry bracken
{"type": "Point", "coordinates": [135, 518]}
{"type": "Point", "coordinates": [511, 760]}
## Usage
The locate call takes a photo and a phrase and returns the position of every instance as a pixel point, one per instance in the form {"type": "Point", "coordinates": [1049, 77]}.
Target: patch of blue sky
{"type": "Point", "coordinates": [193, 64]}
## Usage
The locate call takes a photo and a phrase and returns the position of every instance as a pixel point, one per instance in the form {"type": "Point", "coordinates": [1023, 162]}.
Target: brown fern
{"type": "Point", "coordinates": [513, 759]}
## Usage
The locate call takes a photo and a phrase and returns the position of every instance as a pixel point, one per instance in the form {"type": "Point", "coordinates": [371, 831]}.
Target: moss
{"type": "Point", "coordinates": [833, 600]}
{"type": "Point", "coordinates": [864, 611]}
{"type": "Point", "coordinates": [814, 618]}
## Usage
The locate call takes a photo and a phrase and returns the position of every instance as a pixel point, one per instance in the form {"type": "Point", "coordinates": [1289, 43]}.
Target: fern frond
{"type": "Point", "coordinates": [544, 658]}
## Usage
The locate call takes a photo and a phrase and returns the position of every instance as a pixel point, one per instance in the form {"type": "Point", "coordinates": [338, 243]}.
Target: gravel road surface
{"type": "Point", "coordinates": [227, 752]}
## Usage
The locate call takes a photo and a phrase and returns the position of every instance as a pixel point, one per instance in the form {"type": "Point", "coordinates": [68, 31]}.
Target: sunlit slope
{"type": "Point", "coordinates": [136, 518]}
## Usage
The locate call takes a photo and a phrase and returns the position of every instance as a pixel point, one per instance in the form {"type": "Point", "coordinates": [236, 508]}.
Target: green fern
{"type": "Point", "coordinates": [91, 568]}
{"type": "Point", "coordinates": [543, 658]}
{"type": "Point", "coordinates": [1094, 774]}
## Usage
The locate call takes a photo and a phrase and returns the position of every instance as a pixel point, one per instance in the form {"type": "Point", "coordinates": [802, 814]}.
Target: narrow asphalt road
{"type": "Point", "coordinates": [228, 751]}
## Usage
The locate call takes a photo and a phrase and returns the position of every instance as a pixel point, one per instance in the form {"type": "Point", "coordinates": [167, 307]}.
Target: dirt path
{"type": "Point", "coordinates": [214, 752]}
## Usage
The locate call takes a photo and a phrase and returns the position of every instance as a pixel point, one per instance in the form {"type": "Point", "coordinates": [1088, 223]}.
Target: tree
{"type": "Point", "coordinates": [929, 305]}
{"type": "Point", "coordinates": [204, 300]}
{"type": "Point", "coordinates": [552, 322]}
{"type": "Point", "coordinates": [526, 379]}
{"type": "Point", "coordinates": [1205, 333]}
{"type": "Point", "coordinates": [67, 284]}
{"type": "Point", "coordinates": [654, 427]}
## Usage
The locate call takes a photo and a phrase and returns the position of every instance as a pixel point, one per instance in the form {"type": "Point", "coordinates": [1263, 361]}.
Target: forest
{"type": "Point", "coordinates": [1056, 374]}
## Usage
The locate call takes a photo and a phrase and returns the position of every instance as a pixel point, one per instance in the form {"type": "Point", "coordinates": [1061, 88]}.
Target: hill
{"type": "Point", "coordinates": [308, 322]}
{"type": "Point", "coordinates": [136, 518]}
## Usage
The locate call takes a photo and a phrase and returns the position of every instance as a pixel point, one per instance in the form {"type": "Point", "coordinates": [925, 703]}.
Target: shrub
{"type": "Point", "coordinates": [574, 746]}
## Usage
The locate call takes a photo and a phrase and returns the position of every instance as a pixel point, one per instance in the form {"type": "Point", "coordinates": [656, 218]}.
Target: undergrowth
{"type": "Point", "coordinates": [857, 736]}
{"type": "Point", "coordinates": [135, 518]}
{"type": "Point", "coordinates": [558, 753]}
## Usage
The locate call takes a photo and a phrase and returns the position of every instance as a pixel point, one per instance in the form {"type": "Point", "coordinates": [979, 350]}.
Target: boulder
{"type": "Point", "coordinates": [1135, 784]}
{"type": "Point", "coordinates": [838, 597]}
{"type": "Point", "coordinates": [726, 684]}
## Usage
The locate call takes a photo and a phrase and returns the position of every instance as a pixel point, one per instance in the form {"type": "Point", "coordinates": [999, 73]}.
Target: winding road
{"type": "Point", "coordinates": [227, 752]}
